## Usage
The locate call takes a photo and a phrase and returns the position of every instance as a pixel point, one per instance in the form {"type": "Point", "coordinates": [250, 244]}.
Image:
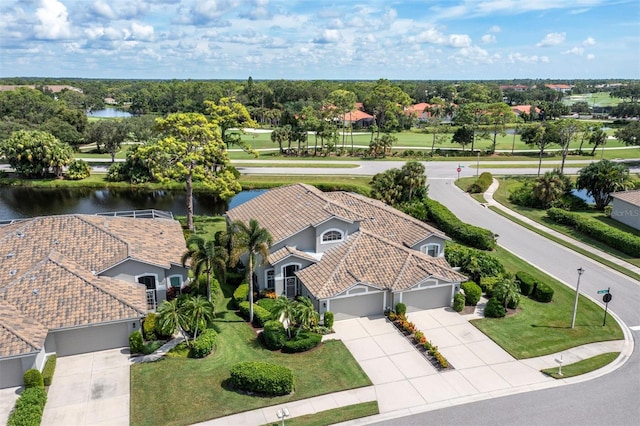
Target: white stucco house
{"type": "Point", "coordinates": [626, 208]}
{"type": "Point", "coordinates": [71, 284]}
{"type": "Point", "coordinates": [349, 254]}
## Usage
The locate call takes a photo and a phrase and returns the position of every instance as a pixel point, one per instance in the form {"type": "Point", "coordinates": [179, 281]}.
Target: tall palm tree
{"type": "Point", "coordinates": [171, 318]}
{"type": "Point", "coordinates": [254, 240]}
{"type": "Point", "coordinates": [305, 313]}
{"type": "Point", "coordinates": [507, 291]}
{"type": "Point", "coordinates": [284, 310]}
{"type": "Point", "coordinates": [548, 188]}
{"type": "Point", "coordinates": [198, 310]}
{"type": "Point", "coordinates": [206, 257]}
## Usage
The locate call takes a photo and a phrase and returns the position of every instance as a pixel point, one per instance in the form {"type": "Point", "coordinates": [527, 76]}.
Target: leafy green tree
{"type": "Point", "coordinates": [255, 241]}
{"type": "Point", "coordinates": [548, 188]}
{"type": "Point", "coordinates": [597, 138]}
{"type": "Point", "coordinates": [386, 101]}
{"type": "Point", "coordinates": [629, 134]}
{"type": "Point", "coordinates": [567, 129]}
{"type": "Point", "coordinates": [171, 318]}
{"type": "Point", "coordinates": [32, 153]}
{"type": "Point", "coordinates": [207, 257]}
{"type": "Point", "coordinates": [395, 186]}
{"type": "Point", "coordinates": [344, 101]}
{"type": "Point", "coordinates": [498, 115]}
{"type": "Point", "coordinates": [229, 114]}
{"type": "Point", "coordinates": [602, 178]}
{"type": "Point", "coordinates": [507, 291]}
{"type": "Point", "coordinates": [78, 169]}
{"type": "Point", "coordinates": [191, 150]}
{"type": "Point", "coordinates": [413, 177]}
{"type": "Point", "coordinates": [463, 135]}
{"type": "Point", "coordinates": [108, 135]}
{"type": "Point", "coordinates": [540, 136]}
{"type": "Point", "coordinates": [437, 110]}
{"type": "Point", "coordinates": [280, 135]}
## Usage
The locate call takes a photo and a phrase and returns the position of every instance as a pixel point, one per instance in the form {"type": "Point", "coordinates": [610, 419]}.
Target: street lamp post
{"type": "Point", "coordinates": [282, 414]}
{"type": "Point", "coordinates": [575, 303]}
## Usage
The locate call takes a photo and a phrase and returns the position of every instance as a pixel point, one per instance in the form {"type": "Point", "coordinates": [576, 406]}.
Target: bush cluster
{"type": "Point", "coordinates": [494, 309]}
{"type": "Point", "coordinates": [475, 263]}
{"type": "Point", "coordinates": [458, 302]}
{"type": "Point", "coordinates": [32, 378]}
{"type": "Point", "coordinates": [78, 169]}
{"type": "Point", "coordinates": [328, 320]}
{"type": "Point", "coordinates": [401, 308]}
{"type": "Point", "coordinates": [472, 292]}
{"type": "Point", "coordinates": [135, 342]}
{"type": "Point", "coordinates": [149, 327]}
{"type": "Point", "coordinates": [488, 283]}
{"type": "Point", "coordinates": [241, 294]}
{"type": "Point", "coordinates": [260, 314]}
{"type": "Point", "coordinates": [481, 184]}
{"type": "Point", "coordinates": [526, 281]}
{"type": "Point", "coordinates": [204, 344]}
{"type": "Point", "coordinates": [49, 369]}
{"type": "Point", "coordinates": [236, 278]}
{"type": "Point", "coordinates": [542, 293]}
{"type": "Point", "coordinates": [401, 322]}
{"type": "Point", "coordinates": [613, 237]}
{"type": "Point", "coordinates": [274, 335]}
{"type": "Point", "coordinates": [266, 303]}
{"type": "Point", "coordinates": [523, 196]}
{"type": "Point", "coordinates": [449, 223]}
{"type": "Point", "coordinates": [302, 342]}
{"type": "Point", "coordinates": [29, 407]}
{"type": "Point", "coordinates": [262, 377]}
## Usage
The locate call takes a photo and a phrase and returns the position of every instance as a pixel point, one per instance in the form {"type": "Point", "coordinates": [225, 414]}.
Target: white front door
{"type": "Point", "coordinates": [291, 286]}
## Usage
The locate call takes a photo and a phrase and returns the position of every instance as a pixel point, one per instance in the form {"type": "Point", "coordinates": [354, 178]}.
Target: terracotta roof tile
{"type": "Point", "coordinates": [631, 197]}
{"type": "Point", "coordinates": [287, 251]}
{"type": "Point", "coordinates": [19, 334]}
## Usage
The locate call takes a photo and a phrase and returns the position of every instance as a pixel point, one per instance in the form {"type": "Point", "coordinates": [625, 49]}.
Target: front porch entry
{"type": "Point", "coordinates": [291, 283]}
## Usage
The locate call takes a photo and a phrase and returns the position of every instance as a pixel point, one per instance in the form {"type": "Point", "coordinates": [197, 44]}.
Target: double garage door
{"type": "Point", "coordinates": [91, 339]}
{"type": "Point", "coordinates": [357, 306]}
{"type": "Point", "coordinates": [427, 298]}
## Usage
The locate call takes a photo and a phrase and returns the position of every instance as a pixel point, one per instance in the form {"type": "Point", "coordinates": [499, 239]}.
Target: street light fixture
{"type": "Point", "coordinates": [282, 414]}
{"type": "Point", "coordinates": [575, 303]}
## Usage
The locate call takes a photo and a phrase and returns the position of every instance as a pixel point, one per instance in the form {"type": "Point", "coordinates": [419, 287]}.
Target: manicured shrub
{"type": "Point", "coordinates": [28, 408]}
{"type": "Point", "coordinates": [302, 342]}
{"type": "Point", "coordinates": [135, 342]}
{"type": "Point", "coordinates": [526, 281]}
{"type": "Point", "coordinates": [274, 335]}
{"type": "Point", "coordinates": [266, 303]}
{"type": "Point", "coordinates": [613, 237]}
{"type": "Point", "coordinates": [472, 292]}
{"type": "Point", "coordinates": [458, 302]}
{"type": "Point", "coordinates": [32, 378]}
{"type": "Point", "coordinates": [488, 283]}
{"type": "Point", "coordinates": [474, 263]}
{"type": "Point", "coordinates": [78, 169]}
{"type": "Point", "coordinates": [151, 347]}
{"type": "Point", "coordinates": [401, 308]}
{"type": "Point", "coordinates": [241, 294]}
{"type": "Point", "coordinates": [49, 369]}
{"type": "Point", "coordinates": [243, 307]}
{"type": "Point", "coordinates": [204, 344]}
{"type": "Point", "coordinates": [494, 309]}
{"type": "Point", "coordinates": [149, 327]}
{"type": "Point", "coordinates": [261, 315]}
{"type": "Point", "coordinates": [328, 319]}
{"type": "Point", "coordinates": [449, 223]}
{"type": "Point", "coordinates": [481, 184]}
{"type": "Point", "coordinates": [262, 377]}
{"type": "Point", "coordinates": [542, 293]}
{"type": "Point", "coordinates": [418, 336]}
{"type": "Point", "coordinates": [392, 316]}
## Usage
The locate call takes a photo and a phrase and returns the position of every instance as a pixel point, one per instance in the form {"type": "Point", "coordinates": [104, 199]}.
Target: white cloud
{"type": "Point", "coordinates": [495, 29]}
{"type": "Point", "coordinates": [574, 51]}
{"type": "Point", "coordinates": [552, 39]}
{"type": "Point", "coordinates": [591, 56]}
{"type": "Point", "coordinates": [534, 59]}
{"type": "Point", "coordinates": [488, 39]}
{"type": "Point", "coordinates": [259, 10]}
{"type": "Point", "coordinates": [434, 36]}
{"type": "Point", "coordinates": [103, 9]}
{"type": "Point", "coordinates": [589, 41]}
{"type": "Point", "coordinates": [459, 40]}
{"type": "Point", "coordinates": [330, 36]}
{"type": "Point", "coordinates": [53, 17]}
{"type": "Point", "coordinates": [141, 31]}
{"type": "Point", "coordinates": [474, 54]}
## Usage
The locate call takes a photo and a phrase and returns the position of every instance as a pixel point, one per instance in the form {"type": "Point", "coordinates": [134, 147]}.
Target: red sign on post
{"type": "Point", "coordinates": [458, 169]}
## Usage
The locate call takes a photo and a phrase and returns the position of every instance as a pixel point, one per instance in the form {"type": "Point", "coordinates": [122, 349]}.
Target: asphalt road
{"type": "Point", "coordinates": [613, 399]}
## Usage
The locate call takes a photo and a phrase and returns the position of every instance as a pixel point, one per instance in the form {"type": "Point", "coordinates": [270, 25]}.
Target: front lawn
{"type": "Point", "coordinates": [544, 328]}
{"type": "Point", "coordinates": [178, 391]}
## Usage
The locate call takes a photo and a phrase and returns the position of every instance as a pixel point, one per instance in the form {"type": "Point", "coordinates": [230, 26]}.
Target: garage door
{"type": "Point", "coordinates": [357, 306]}
{"type": "Point", "coordinates": [11, 372]}
{"type": "Point", "coordinates": [427, 298]}
{"type": "Point", "coordinates": [90, 339]}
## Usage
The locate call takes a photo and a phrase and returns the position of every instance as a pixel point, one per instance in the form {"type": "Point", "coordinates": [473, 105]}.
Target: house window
{"type": "Point", "coordinates": [432, 250]}
{"type": "Point", "coordinates": [332, 236]}
{"type": "Point", "coordinates": [149, 281]}
{"type": "Point", "coordinates": [271, 280]}
{"type": "Point", "coordinates": [175, 281]}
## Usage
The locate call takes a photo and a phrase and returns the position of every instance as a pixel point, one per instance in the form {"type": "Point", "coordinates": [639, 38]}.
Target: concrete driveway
{"type": "Point", "coordinates": [406, 382]}
{"type": "Point", "coordinates": [90, 389]}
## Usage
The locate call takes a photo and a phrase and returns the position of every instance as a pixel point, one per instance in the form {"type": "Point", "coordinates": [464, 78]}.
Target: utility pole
{"type": "Point", "coordinates": [575, 303]}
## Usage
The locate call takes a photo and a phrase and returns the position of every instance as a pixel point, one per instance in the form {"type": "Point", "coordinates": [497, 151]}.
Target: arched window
{"type": "Point", "coordinates": [332, 236]}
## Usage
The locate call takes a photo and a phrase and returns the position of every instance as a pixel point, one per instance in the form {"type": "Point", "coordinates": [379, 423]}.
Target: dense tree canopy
{"type": "Point", "coordinates": [602, 178]}
{"type": "Point", "coordinates": [33, 153]}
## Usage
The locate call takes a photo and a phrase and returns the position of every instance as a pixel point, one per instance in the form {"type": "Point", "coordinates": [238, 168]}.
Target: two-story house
{"type": "Point", "coordinates": [349, 254]}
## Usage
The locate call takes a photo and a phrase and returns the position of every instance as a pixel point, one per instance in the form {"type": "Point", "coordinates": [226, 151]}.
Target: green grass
{"type": "Point", "coordinates": [526, 166]}
{"type": "Point", "coordinates": [177, 391]}
{"type": "Point", "coordinates": [205, 226]}
{"type": "Point", "coordinates": [333, 416]}
{"type": "Point", "coordinates": [583, 366]}
{"type": "Point", "coordinates": [463, 184]}
{"type": "Point", "coordinates": [598, 99]}
{"type": "Point", "coordinates": [289, 164]}
{"type": "Point", "coordinates": [545, 328]}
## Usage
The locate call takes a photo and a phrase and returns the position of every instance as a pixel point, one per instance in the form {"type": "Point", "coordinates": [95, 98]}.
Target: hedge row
{"type": "Point", "coordinates": [204, 344]}
{"type": "Point", "coordinates": [481, 184]}
{"type": "Point", "coordinates": [32, 378]}
{"type": "Point", "coordinates": [542, 293]}
{"type": "Point", "coordinates": [262, 378]}
{"type": "Point", "coordinates": [475, 263]}
{"type": "Point", "coordinates": [260, 314]}
{"type": "Point", "coordinates": [274, 335]}
{"type": "Point", "coordinates": [613, 237]}
{"type": "Point", "coordinates": [446, 221]}
{"type": "Point", "coordinates": [49, 369]}
{"type": "Point", "coordinates": [527, 282]}
{"type": "Point", "coordinates": [241, 294]}
{"type": "Point", "coordinates": [304, 341]}
{"type": "Point", "coordinates": [529, 286]}
{"type": "Point", "coordinates": [29, 407]}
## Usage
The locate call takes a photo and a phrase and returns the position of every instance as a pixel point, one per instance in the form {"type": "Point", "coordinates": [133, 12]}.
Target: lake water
{"type": "Point", "coordinates": [20, 202]}
{"type": "Point", "coordinates": [109, 113]}
{"type": "Point", "coordinates": [582, 193]}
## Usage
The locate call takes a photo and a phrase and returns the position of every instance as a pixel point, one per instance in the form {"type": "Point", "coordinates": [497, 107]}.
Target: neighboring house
{"type": "Point", "coordinates": [626, 208]}
{"type": "Point", "coordinates": [78, 283]}
{"type": "Point", "coordinates": [418, 111]}
{"type": "Point", "coordinates": [53, 88]}
{"type": "Point", "coordinates": [523, 109]}
{"type": "Point", "coordinates": [562, 88]}
{"type": "Point", "coordinates": [349, 254]}
{"type": "Point", "coordinates": [358, 118]}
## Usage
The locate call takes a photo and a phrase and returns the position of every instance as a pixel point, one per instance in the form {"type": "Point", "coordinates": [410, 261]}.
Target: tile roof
{"type": "Point", "coordinates": [287, 251]}
{"type": "Point", "coordinates": [631, 197]}
{"type": "Point", "coordinates": [359, 260]}
{"type": "Point", "coordinates": [19, 334]}
{"type": "Point", "coordinates": [384, 220]}
{"type": "Point", "coordinates": [356, 115]}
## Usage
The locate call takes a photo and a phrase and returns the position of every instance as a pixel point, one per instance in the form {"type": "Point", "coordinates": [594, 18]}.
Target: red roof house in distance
{"type": "Point", "coordinates": [523, 109]}
{"type": "Point", "coordinates": [563, 88]}
{"type": "Point", "coordinates": [418, 110]}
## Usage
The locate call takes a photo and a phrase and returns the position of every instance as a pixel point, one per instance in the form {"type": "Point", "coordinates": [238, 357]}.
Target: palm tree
{"type": "Point", "coordinates": [507, 291]}
{"type": "Point", "coordinates": [548, 188]}
{"type": "Point", "coordinates": [598, 137]}
{"type": "Point", "coordinates": [206, 257]}
{"type": "Point", "coordinates": [197, 310]}
{"type": "Point", "coordinates": [305, 313]}
{"type": "Point", "coordinates": [413, 177]}
{"type": "Point", "coordinates": [171, 318]}
{"type": "Point", "coordinates": [285, 311]}
{"type": "Point", "coordinates": [253, 240]}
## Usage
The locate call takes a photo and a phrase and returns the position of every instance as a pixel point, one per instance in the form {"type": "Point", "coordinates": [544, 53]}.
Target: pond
{"type": "Point", "coordinates": [582, 194]}
{"type": "Point", "coordinates": [109, 113]}
{"type": "Point", "coordinates": [21, 202]}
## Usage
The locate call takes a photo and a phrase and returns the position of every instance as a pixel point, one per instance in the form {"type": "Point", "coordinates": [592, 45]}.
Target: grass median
{"type": "Point", "coordinates": [582, 367]}
{"type": "Point", "coordinates": [336, 415]}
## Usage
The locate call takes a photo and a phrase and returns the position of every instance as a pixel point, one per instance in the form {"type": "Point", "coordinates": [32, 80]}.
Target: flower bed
{"type": "Point", "coordinates": [419, 341]}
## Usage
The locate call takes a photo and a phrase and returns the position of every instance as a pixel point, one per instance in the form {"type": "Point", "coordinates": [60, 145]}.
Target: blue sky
{"type": "Point", "coordinates": [334, 39]}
